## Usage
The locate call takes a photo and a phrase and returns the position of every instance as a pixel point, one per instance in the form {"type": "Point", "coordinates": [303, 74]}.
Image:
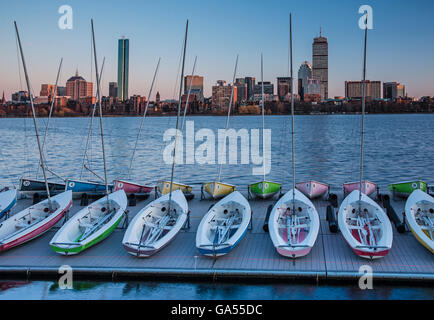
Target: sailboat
{"type": "Point", "coordinates": [39, 218]}
{"type": "Point", "coordinates": [217, 189]}
{"type": "Point", "coordinates": [133, 187]}
{"type": "Point", "coordinates": [366, 186]}
{"type": "Point", "coordinates": [313, 189]}
{"type": "Point", "coordinates": [419, 213]}
{"type": "Point", "coordinates": [224, 225]}
{"type": "Point", "coordinates": [97, 221]}
{"type": "Point", "coordinates": [363, 223]}
{"type": "Point", "coordinates": [294, 221]}
{"type": "Point", "coordinates": [404, 189]}
{"type": "Point", "coordinates": [264, 189]}
{"type": "Point", "coordinates": [157, 224]}
{"type": "Point", "coordinates": [30, 186]}
{"type": "Point", "coordinates": [89, 187]}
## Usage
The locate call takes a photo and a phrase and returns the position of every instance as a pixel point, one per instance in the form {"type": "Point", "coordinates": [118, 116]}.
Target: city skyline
{"type": "Point", "coordinates": [390, 54]}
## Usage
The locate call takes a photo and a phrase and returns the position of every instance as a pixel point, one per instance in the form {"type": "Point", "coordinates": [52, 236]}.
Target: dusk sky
{"type": "Point", "coordinates": [400, 47]}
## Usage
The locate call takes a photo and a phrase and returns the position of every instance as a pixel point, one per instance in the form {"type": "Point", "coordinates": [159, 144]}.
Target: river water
{"type": "Point", "coordinates": [327, 148]}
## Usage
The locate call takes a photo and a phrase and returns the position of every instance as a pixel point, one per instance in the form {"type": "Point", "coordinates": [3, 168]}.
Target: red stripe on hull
{"type": "Point", "coordinates": [35, 233]}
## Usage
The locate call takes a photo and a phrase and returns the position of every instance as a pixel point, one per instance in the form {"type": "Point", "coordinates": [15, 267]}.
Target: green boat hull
{"type": "Point", "coordinates": [77, 250]}
{"type": "Point", "coordinates": [406, 188]}
{"type": "Point", "coordinates": [265, 189]}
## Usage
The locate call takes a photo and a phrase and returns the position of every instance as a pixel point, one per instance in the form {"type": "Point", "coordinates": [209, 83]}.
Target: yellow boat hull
{"type": "Point", "coordinates": [164, 187]}
{"type": "Point", "coordinates": [218, 189]}
{"type": "Point", "coordinates": [422, 242]}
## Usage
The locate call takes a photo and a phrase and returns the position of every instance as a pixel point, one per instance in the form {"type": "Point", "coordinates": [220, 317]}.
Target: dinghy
{"type": "Point", "coordinates": [363, 223]}
{"type": "Point", "coordinates": [33, 221]}
{"type": "Point", "coordinates": [132, 187]}
{"type": "Point", "coordinates": [313, 189]}
{"type": "Point", "coordinates": [28, 187]}
{"type": "Point", "coordinates": [293, 225]}
{"type": "Point", "coordinates": [154, 227]}
{"type": "Point", "coordinates": [264, 189]}
{"type": "Point", "coordinates": [90, 225]}
{"type": "Point", "coordinates": [404, 189]}
{"type": "Point", "coordinates": [78, 188]}
{"type": "Point", "coordinates": [294, 222]}
{"type": "Point", "coordinates": [217, 189]}
{"type": "Point", "coordinates": [8, 199]}
{"type": "Point", "coordinates": [419, 212]}
{"type": "Point", "coordinates": [223, 226]}
{"type": "Point", "coordinates": [365, 226]}
{"type": "Point", "coordinates": [368, 187]}
{"type": "Point", "coordinates": [163, 187]}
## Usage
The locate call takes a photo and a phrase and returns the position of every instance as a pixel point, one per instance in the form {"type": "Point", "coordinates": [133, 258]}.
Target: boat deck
{"type": "Point", "coordinates": [255, 256]}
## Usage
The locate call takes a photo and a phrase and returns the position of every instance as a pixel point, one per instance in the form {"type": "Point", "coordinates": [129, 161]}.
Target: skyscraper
{"type": "Point", "coordinates": [113, 89]}
{"type": "Point", "coordinates": [196, 86]}
{"type": "Point", "coordinates": [320, 68]}
{"type": "Point", "coordinates": [77, 87]}
{"type": "Point", "coordinates": [354, 89]}
{"type": "Point", "coordinates": [123, 59]}
{"type": "Point", "coordinates": [283, 88]}
{"type": "Point", "coordinates": [304, 74]}
{"type": "Point", "coordinates": [393, 90]}
{"type": "Point", "coordinates": [250, 81]}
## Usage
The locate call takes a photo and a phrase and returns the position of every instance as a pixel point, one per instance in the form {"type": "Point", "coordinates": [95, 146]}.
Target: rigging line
{"type": "Point", "coordinates": [19, 64]}
{"type": "Point", "coordinates": [53, 97]}
{"type": "Point", "coordinates": [177, 73]}
{"type": "Point", "coordinates": [178, 115]}
{"type": "Point", "coordinates": [85, 156]}
{"type": "Point", "coordinates": [229, 112]}
{"type": "Point", "coordinates": [143, 118]}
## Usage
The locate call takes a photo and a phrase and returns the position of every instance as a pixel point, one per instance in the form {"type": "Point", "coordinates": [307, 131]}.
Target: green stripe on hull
{"type": "Point", "coordinates": [91, 243]}
{"type": "Point", "coordinates": [265, 188]}
{"type": "Point", "coordinates": [408, 187]}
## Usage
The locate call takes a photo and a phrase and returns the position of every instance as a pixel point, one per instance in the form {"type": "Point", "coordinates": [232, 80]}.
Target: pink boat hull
{"type": "Point", "coordinates": [130, 187]}
{"type": "Point", "coordinates": [368, 187]}
{"type": "Point", "coordinates": [312, 189]}
{"type": "Point", "coordinates": [294, 253]}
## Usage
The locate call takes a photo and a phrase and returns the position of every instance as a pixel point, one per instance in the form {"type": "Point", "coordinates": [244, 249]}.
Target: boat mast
{"type": "Point", "coordinates": [41, 156]}
{"type": "Point", "coordinates": [263, 124]}
{"type": "Point", "coordinates": [188, 94]}
{"type": "Point", "coordinates": [178, 115]}
{"type": "Point", "coordinates": [83, 165]}
{"type": "Point", "coordinates": [229, 110]}
{"type": "Point", "coordinates": [292, 114]}
{"type": "Point", "coordinates": [100, 115]}
{"type": "Point", "coordinates": [53, 95]}
{"type": "Point", "coordinates": [363, 115]}
{"type": "Point", "coordinates": [143, 118]}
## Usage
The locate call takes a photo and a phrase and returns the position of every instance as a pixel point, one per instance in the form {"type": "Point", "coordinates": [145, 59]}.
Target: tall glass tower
{"type": "Point", "coordinates": [123, 58]}
{"type": "Point", "coordinates": [320, 64]}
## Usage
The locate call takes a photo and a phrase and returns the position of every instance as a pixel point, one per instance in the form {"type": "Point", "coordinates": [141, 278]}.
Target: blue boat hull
{"type": "Point", "coordinates": [8, 208]}
{"type": "Point", "coordinates": [221, 251]}
{"type": "Point", "coordinates": [86, 187]}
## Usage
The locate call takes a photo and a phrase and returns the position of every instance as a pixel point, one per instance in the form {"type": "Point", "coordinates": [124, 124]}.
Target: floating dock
{"type": "Point", "coordinates": [255, 257]}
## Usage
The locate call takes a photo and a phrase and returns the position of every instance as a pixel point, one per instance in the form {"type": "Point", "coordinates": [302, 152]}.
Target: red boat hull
{"type": "Point", "coordinates": [130, 187]}
{"type": "Point", "coordinates": [37, 232]}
